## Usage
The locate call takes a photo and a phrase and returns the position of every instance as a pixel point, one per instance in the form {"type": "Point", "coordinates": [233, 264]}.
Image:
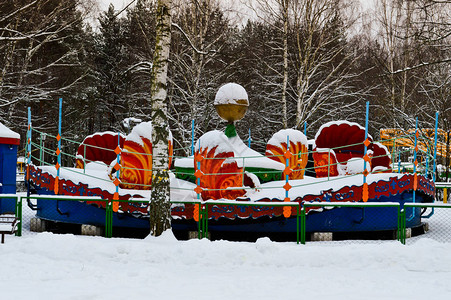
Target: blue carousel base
{"type": "Point", "coordinates": [336, 220]}
{"type": "Point", "coordinates": [76, 212]}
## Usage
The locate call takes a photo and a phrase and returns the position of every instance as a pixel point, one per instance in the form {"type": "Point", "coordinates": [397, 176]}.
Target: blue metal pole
{"type": "Point", "coordinates": [366, 137]}
{"type": "Point", "coordinates": [118, 160]}
{"type": "Point", "coordinates": [249, 140]}
{"type": "Point", "coordinates": [427, 163]}
{"type": "Point", "coordinates": [415, 149]}
{"type": "Point", "coordinates": [305, 128]}
{"type": "Point", "coordinates": [198, 179]}
{"type": "Point", "coordinates": [435, 147]}
{"type": "Point", "coordinates": [29, 137]}
{"type": "Point", "coordinates": [287, 163]}
{"type": "Point", "coordinates": [192, 137]}
{"type": "Point", "coordinates": [59, 133]}
{"type": "Point", "coordinates": [414, 167]}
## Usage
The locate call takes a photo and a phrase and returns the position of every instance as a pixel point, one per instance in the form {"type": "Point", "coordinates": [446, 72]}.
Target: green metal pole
{"type": "Point", "coordinates": [109, 219]}
{"type": "Point", "coordinates": [19, 215]}
{"type": "Point", "coordinates": [206, 221]}
{"type": "Point", "coordinates": [199, 223]}
{"type": "Point", "coordinates": [297, 224]}
{"type": "Point", "coordinates": [40, 149]}
{"type": "Point", "coordinates": [303, 226]}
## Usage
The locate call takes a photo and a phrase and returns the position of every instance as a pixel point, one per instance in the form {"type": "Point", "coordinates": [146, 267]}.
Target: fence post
{"type": "Point", "coordinates": [19, 215]}
{"type": "Point", "coordinates": [205, 217]}
{"type": "Point", "coordinates": [415, 163]}
{"type": "Point", "coordinates": [29, 145]}
{"type": "Point", "coordinates": [366, 158]}
{"type": "Point", "coordinates": [58, 149]}
{"type": "Point", "coordinates": [297, 223]}
{"type": "Point", "coordinates": [435, 147]}
{"type": "Point", "coordinates": [303, 225]}
{"type": "Point", "coordinates": [117, 167]}
{"type": "Point", "coordinates": [41, 138]}
{"type": "Point", "coordinates": [108, 219]}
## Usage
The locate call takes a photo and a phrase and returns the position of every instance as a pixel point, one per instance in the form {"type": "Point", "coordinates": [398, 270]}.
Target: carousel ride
{"type": "Point", "coordinates": [342, 164]}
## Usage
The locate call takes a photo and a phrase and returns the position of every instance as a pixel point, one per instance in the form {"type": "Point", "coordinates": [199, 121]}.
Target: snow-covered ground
{"type": "Point", "coordinates": [51, 266]}
{"type": "Point", "coordinates": [64, 266]}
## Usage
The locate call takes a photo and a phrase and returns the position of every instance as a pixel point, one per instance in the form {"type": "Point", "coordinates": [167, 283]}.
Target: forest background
{"type": "Point", "coordinates": [300, 61]}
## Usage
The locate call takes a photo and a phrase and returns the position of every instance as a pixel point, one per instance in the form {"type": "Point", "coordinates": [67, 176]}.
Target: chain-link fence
{"type": "Point", "coordinates": [356, 222]}
{"type": "Point", "coordinates": [83, 215]}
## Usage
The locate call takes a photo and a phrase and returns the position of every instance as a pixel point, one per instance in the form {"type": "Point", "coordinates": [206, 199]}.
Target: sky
{"type": "Point", "coordinates": [120, 4]}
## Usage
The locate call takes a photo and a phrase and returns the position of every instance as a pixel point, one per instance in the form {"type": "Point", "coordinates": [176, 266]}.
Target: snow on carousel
{"type": "Point", "coordinates": [338, 184]}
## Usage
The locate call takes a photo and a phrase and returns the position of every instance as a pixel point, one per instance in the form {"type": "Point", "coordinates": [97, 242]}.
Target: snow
{"type": "Point", "coordinates": [96, 176]}
{"type": "Point", "coordinates": [242, 153]}
{"type": "Point", "coordinates": [356, 165]}
{"type": "Point", "coordinates": [143, 130]}
{"type": "Point", "coordinates": [293, 135]}
{"type": "Point", "coordinates": [328, 124]}
{"type": "Point", "coordinates": [54, 266]}
{"type": "Point", "coordinates": [5, 132]}
{"type": "Point", "coordinates": [230, 93]}
{"type": "Point", "coordinates": [140, 131]}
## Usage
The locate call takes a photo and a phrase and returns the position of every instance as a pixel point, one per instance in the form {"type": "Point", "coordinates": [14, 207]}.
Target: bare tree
{"type": "Point", "coordinates": [323, 75]}
{"type": "Point", "coordinates": [39, 41]}
{"type": "Point", "coordinates": [200, 35]}
{"type": "Point", "coordinates": [275, 13]}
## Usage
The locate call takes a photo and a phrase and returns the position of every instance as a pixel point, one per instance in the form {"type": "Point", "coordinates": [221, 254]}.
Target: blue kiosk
{"type": "Point", "coordinates": [9, 141]}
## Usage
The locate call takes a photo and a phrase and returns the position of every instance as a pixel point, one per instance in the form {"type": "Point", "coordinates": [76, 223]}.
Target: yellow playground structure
{"type": "Point", "coordinates": [395, 138]}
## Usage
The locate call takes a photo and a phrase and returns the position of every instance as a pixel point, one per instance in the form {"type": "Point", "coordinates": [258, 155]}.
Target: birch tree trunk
{"type": "Point", "coordinates": [160, 208]}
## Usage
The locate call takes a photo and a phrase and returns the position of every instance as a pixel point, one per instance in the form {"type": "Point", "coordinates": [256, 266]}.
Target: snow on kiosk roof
{"type": "Point", "coordinates": [7, 136]}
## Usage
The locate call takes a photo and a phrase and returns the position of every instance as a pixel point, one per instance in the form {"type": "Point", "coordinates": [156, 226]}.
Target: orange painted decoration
{"type": "Point", "coordinates": [115, 203]}
{"type": "Point", "coordinates": [287, 209]}
{"type": "Point", "coordinates": [136, 162]}
{"type": "Point", "coordinates": [198, 173]}
{"type": "Point", "coordinates": [56, 187]}
{"type": "Point", "coordinates": [415, 182]}
{"type": "Point", "coordinates": [321, 162]}
{"type": "Point", "coordinates": [198, 190]}
{"type": "Point", "coordinates": [219, 175]}
{"type": "Point", "coordinates": [196, 212]}
{"type": "Point", "coordinates": [287, 186]}
{"type": "Point", "coordinates": [365, 192]}
{"type": "Point", "coordinates": [287, 171]}
{"type": "Point", "coordinates": [296, 161]}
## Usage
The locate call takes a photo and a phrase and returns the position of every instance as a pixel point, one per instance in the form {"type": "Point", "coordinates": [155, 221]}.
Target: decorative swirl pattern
{"type": "Point", "coordinates": [298, 160]}
{"type": "Point", "coordinates": [136, 158]}
{"type": "Point", "coordinates": [219, 175]}
{"type": "Point", "coordinates": [98, 147]}
{"type": "Point", "coordinates": [136, 165]}
{"type": "Point", "coordinates": [321, 160]}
